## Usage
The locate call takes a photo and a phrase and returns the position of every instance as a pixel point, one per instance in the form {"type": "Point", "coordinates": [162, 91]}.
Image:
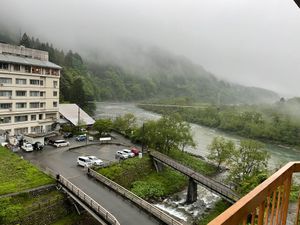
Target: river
{"type": "Point", "coordinates": [203, 137]}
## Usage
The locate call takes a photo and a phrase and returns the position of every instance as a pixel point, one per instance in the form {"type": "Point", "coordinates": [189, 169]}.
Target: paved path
{"type": "Point", "coordinates": [62, 161]}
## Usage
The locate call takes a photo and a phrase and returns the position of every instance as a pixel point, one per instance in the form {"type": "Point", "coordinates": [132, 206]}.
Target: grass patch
{"type": "Point", "coordinates": [220, 207]}
{"type": "Point", "coordinates": [139, 176]}
{"type": "Point", "coordinates": [128, 171]}
{"type": "Point", "coordinates": [157, 185]}
{"type": "Point", "coordinates": [12, 209]}
{"type": "Point", "coordinates": [17, 174]}
{"type": "Point", "coordinates": [68, 220]}
{"type": "Point", "coordinates": [193, 162]}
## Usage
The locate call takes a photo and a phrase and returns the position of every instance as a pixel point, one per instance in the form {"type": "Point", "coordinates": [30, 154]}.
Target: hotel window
{"type": "Point", "coordinates": [5, 119]}
{"type": "Point", "coordinates": [20, 81]}
{"type": "Point", "coordinates": [34, 105]}
{"type": "Point", "coordinates": [54, 104]}
{"type": "Point", "coordinates": [54, 93]}
{"type": "Point", "coordinates": [40, 116]}
{"type": "Point", "coordinates": [54, 72]}
{"type": "Point", "coordinates": [21, 118]}
{"type": "Point", "coordinates": [5, 93]}
{"type": "Point", "coordinates": [21, 105]}
{"type": "Point", "coordinates": [37, 129]}
{"type": "Point", "coordinates": [47, 71]}
{"type": "Point", "coordinates": [42, 93]}
{"type": "Point", "coordinates": [55, 83]}
{"type": "Point", "coordinates": [27, 69]}
{"type": "Point", "coordinates": [34, 93]}
{"type": "Point", "coordinates": [4, 80]}
{"type": "Point", "coordinates": [21, 130]}
{"type": "Point", "coordinates": [42, 104]}
{"type": "Point", "coordinates": [5, 105]}
{"type": "Point", "coordinates": [16, 67]}
{"type": "Point", "coordinates": [21, 93]}
{"type": "Point", "coordinates": [37, 70]}
{"type": "Point", "coordinates": [3, 66]}
{"type": "Point", "coordinates": [34, 82]}
{"type": "Point", "coordinates": [41, 82]}
{"type": "Point", "coordinates": [33, 117]}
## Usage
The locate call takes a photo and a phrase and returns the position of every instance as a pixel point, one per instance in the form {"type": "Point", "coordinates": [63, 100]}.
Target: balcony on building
{"type": "Point", "coordinates": [267, 204]}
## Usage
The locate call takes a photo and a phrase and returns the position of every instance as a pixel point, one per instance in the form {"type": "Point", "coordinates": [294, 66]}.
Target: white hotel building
{"type": "Point", "coordinates": [29, 90]}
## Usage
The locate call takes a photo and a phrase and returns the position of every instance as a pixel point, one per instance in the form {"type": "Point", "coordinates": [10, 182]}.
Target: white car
{"type": "Point", "coordinates": [95, 160]}
{"type": "Point", "coordinates": [84, 161]}
{"type": "Point", "coordinates": [60, 143]}
{"type": "Point", "coordinates": [121, 155]}
{"type": "Point", "coordinates": [27, 147]}
{"type": "Point", "coordinates": [128, 152]}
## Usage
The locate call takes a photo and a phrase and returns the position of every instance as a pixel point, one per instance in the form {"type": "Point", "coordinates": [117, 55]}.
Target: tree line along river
{"type": "Point", "coordinates": [203, 136]}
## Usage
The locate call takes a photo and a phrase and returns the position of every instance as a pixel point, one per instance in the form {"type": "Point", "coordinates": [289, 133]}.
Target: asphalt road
{"type": "Point", "coordinates": [62, 161]}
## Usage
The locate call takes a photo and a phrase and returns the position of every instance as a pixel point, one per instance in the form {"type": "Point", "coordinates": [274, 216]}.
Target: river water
{"type": "Point", "coordinates": [203, 136]}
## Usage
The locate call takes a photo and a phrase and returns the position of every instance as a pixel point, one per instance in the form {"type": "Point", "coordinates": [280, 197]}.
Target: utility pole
{"type": "Point", "coordinates": [78, 123]}
{"type": "Point", "coordinates": [143, 137]}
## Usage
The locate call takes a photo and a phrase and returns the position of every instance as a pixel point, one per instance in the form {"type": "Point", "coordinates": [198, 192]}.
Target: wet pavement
{"type": "Point", "coordinates": [63, 161]}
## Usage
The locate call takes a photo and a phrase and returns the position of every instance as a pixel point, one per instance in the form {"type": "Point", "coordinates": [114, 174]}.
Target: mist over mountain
{"type": "Point", "coordinates": [172, 76]}
{"type": "Point", "coordinates": [134, 72]}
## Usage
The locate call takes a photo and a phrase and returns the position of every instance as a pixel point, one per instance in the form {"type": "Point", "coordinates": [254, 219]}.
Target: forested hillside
{"type": "Point", "coordinates": [150, 74]}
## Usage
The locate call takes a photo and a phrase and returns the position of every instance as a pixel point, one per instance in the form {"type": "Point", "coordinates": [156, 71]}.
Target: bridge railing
{"type": "Point", "coordinates": [208, 182]}
{"type": "Point", "coordinates": [267, 204]}
{"type": "Point", "coordinates": [88, 200]}
{"type": "Point", "coordinates": [134, 198]}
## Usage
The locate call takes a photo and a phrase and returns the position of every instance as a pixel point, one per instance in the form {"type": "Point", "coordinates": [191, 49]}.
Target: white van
{"type": "Point", "coordinates": [84, 161]}
{"type": "Point", "coordinates": [27, 147]}
{"type": "Point", "coordinates": [60, 143]}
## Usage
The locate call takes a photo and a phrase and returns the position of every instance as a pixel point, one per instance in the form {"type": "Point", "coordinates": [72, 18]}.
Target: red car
{"type": "Point", "coordinates": [135, 151]}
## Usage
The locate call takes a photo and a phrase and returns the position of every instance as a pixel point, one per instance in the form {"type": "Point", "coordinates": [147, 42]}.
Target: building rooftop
{"type": "Point", "coordinates": [70, 113]}
{"type": "Point", "coordinates": [27, 61]}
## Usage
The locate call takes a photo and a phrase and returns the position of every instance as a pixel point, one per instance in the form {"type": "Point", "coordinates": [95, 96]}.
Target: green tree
{"type": "Point", "coordinates": [25, 41]}
{"type": "Point", "coordinates": [167, 133]}
{"type": "Point", "coordinates": [248, 165]}
{"type": "Point", "coordinates": [220, 150]}
{"type": "Point", "coordinates": [103, 126]}
{"type": "Point", "coordinates": [125, 124]}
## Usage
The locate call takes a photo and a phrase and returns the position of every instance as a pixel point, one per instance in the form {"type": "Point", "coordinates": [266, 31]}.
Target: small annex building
{"type": "Point", "coordinates": [74, 115]}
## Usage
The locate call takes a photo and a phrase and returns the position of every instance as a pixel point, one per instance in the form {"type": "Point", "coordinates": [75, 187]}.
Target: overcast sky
{"type": "Point", "coordinates": [252, 42]}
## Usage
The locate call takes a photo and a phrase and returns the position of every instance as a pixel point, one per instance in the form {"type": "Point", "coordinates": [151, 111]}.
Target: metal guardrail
{"type": "Point", "coordinates": [209, 183]}
{"type": "Point", "coordinates": [134, 198]}
{"type": "Point", "coordinates": [88, 200]}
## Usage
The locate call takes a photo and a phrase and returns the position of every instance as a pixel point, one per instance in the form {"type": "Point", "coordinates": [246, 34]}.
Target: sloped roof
{"type": "Point", "coordinates": [27, 61]}
{"type": "Point", "coordinates": [70, 112]}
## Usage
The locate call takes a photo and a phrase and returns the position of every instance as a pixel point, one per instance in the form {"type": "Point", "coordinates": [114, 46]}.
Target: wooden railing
{"type": "Point", "coordinates": [88, 201]}
{"type": "Point", "coordinates": [134, 198]}
{"type": "Point", "coordinates": [214, 186]}
{"type": "Point", "coordinates": [267, 204]}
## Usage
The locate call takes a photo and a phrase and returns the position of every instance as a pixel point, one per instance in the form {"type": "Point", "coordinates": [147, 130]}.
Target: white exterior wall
{"type": "Point", "coordinates": [49, 112]}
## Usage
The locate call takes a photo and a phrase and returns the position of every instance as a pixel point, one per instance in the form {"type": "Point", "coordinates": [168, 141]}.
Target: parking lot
{"type": "Point", "coordinates": [63, 161]}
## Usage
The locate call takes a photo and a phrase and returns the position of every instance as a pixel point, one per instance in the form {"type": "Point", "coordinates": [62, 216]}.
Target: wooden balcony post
{"type": "Point", "coordinates": [298, 209]}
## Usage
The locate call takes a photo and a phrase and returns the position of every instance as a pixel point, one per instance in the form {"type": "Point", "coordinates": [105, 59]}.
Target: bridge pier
{"type": "Point", "coordinates": [158, 166]}
{"type": "Point", "coordinates": [192, 191]}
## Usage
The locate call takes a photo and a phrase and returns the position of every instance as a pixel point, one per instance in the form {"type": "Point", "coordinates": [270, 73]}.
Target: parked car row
{"type": "Point", "coordinates": [127, 153]}
{"type": "Point", "coordinates": [87, 161]}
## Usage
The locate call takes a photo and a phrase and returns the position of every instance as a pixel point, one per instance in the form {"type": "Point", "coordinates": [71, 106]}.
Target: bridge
{"type": "Point", "coordinates": [195, 177]}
